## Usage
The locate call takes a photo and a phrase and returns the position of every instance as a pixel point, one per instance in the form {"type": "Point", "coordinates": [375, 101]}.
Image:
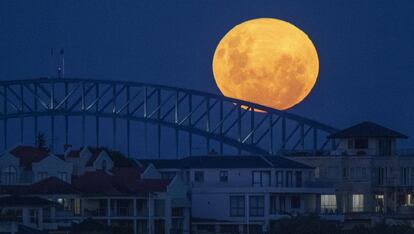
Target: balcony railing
{"type": "Point", "coordinates": [97, 213]}
{"type": "Point", "coordinates": [122, 211]}
{"type": "Point", "coordinates": [318, 184]}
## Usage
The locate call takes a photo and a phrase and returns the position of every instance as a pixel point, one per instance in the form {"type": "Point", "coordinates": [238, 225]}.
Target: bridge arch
{"type": "Point", "coordinates": [225, 121]}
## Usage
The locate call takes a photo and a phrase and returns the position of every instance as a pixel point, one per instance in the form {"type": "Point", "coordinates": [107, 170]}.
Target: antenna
{"type": "Point", "coordinates": [62, 54]}
{"type": "Point", "coordinates": [52, 63]}
{"type": "Point", "coordinates": [61, 64]}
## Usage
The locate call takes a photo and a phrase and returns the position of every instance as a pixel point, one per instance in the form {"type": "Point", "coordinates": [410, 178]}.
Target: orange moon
{"type": "Point", "coordinates": [266, 61]}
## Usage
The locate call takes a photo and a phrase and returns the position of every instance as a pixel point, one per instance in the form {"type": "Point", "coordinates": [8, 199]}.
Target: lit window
{"type": "Point", "coordinates": [410, 200]}
{"type": "Point", "coordinates": [379, 203]}
{"type": "Point", "coordinates": [328, 203]}
{"type": "Point", "coordinates": [357, 202]}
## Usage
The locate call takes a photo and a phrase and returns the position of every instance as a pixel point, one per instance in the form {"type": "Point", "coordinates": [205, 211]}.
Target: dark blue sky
{"type": "Point", "coordinates": [366, 48]}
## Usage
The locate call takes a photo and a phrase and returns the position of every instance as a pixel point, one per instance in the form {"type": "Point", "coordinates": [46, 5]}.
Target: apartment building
{"type": "Point", "coordinates": [42, 191]}
{"type": "Point", "coordinates": [231, 194]}
{"type": "Point", "coordinates": [374, 181]}
{"type": "Point", "coordinates": [366, 180]}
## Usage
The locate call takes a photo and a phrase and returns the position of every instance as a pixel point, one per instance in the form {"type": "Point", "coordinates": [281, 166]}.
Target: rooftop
{"type": "Point", "coordinates": [18, 201]}
{"type": "Point", "coordinates": [367, 129]}
{"type": "Point", "coordinates": [250, 161]}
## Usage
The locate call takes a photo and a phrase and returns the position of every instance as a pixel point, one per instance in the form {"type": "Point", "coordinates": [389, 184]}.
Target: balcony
{"type": "Point", "coordinates": [101, 212]}
{"type": "Point", "coordinates": [122, 211]}
{"type": "Point", "coordinates": [405, 210]}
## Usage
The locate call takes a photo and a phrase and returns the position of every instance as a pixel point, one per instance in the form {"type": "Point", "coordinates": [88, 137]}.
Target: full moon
{"type": "Point", "coordinates": [266, 61]}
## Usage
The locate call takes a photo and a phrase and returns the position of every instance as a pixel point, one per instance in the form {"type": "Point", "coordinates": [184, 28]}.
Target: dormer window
{"type": "Point", "coordinates": [358, 143]}
{"type": "Point", "coordinates": [9, 175]}
{"type": "Point", "coordinates": [361, 143]}
{"type": "Point", "coordinates": [104, 165]}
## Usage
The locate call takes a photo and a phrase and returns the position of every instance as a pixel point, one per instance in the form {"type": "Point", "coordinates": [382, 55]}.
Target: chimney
{"type": "Point", "coordinates": [67, 149]}
{"type": "Point", "coordinates": [212, 152]}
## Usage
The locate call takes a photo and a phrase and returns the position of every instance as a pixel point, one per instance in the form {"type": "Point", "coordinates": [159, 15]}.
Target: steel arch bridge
{"type": "Point", "coordinates": [111, 109]}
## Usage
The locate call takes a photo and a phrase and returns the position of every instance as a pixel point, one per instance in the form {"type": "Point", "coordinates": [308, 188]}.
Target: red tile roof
{"type": "Point", "coordinates": [127, 173]}
{"type": "Point", "coordinates": [28, 155]}
{"type": "Point", "coordinates": [98, 183]}
{"type": "Point", "coordinates": [102, 183]}
{"type": "Point", "coordinates": [52, 185]}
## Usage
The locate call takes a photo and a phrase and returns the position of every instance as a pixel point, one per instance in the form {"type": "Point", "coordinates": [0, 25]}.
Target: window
{"type": "Point", "coordinates": [10, 175]}
{"type": "Point", "coordinates": [63, 176]}
{"type": "Point", "coordinates": [256, 206]}
{"type": "Point", "coordinates": [257, 179]}
{"type": "Point", "coordinates": [34, 216]}
{"type": "Point", "coordinates": [42, 175]}
{"type": "Point", "coordinates": [289, 180]}
{"type": "Point", "coordinates": [282, 203]}
{"type": "Point", "coordinates": [224, 176]}
{"type": "Point", "coordinates": [357, 202]}
{"type": "Point", "coordinates": [410, 200]}
{"type": "Point", "coordinates": [279, 178]}
{"type": "Point", "coordinates": [104, 166]}
{"type": "Point", "coordinates": [199, 176]}
{"type": "Point", "coordinates": [364, 173]}
{"type": "Point", "coordinates": [404, 176]}
{"type": "Point", "coordinates": [237, 206]}
{"type": "Point", "coordinates": [379, 203]}
{"type": "Point", "coordinates": [77, 208]}
{"type": "Point", "coordinates": [385, 146]}
{"type": "Point", "coordinates": [261, 178]}
{"type": "Point", "coordinates": [361, 143]}
{"type": "Point", "coordinates": [295, 202]}
{"type": "Point", "coordinates": [298, 178]}
{"type": "Point", "coordinates": [382, 175]}
{"type": "Point", "coordinates": [328, 203]}
{"type": "Point", "coordinates": [345, 173]}
{"type": "Point", "coordinates": [159, 207]}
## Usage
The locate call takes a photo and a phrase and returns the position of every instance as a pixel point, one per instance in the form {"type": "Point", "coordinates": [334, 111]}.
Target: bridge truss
{"type": "Point", "coordinates": [91, 111]}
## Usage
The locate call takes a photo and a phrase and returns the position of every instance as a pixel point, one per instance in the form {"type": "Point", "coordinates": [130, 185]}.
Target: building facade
{"type": "Point", "coordinates": [365, 180]}
{"type": "Point", "coordinates": [374, 182]}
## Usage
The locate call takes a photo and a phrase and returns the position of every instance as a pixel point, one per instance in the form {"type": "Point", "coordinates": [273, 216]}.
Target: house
{"type": "Point", "coordinates": [374, 182]}
{"type": "Point", "coordinates": [236, 193]}
{"type": "Point", "coordinates": [105, 187]}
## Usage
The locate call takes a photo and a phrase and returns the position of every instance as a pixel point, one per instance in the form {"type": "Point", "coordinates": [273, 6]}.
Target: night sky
{"type": "Point", "coordinates": [365, 48]}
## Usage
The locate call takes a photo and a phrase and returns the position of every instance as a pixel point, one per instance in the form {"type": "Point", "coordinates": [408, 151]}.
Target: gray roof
{"type": "Point", "coordinates": [223, 162]}
{"type": "Point", "coordinates": [367, 129]}
{"type": "Point", "coordinates": [282, 162]}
